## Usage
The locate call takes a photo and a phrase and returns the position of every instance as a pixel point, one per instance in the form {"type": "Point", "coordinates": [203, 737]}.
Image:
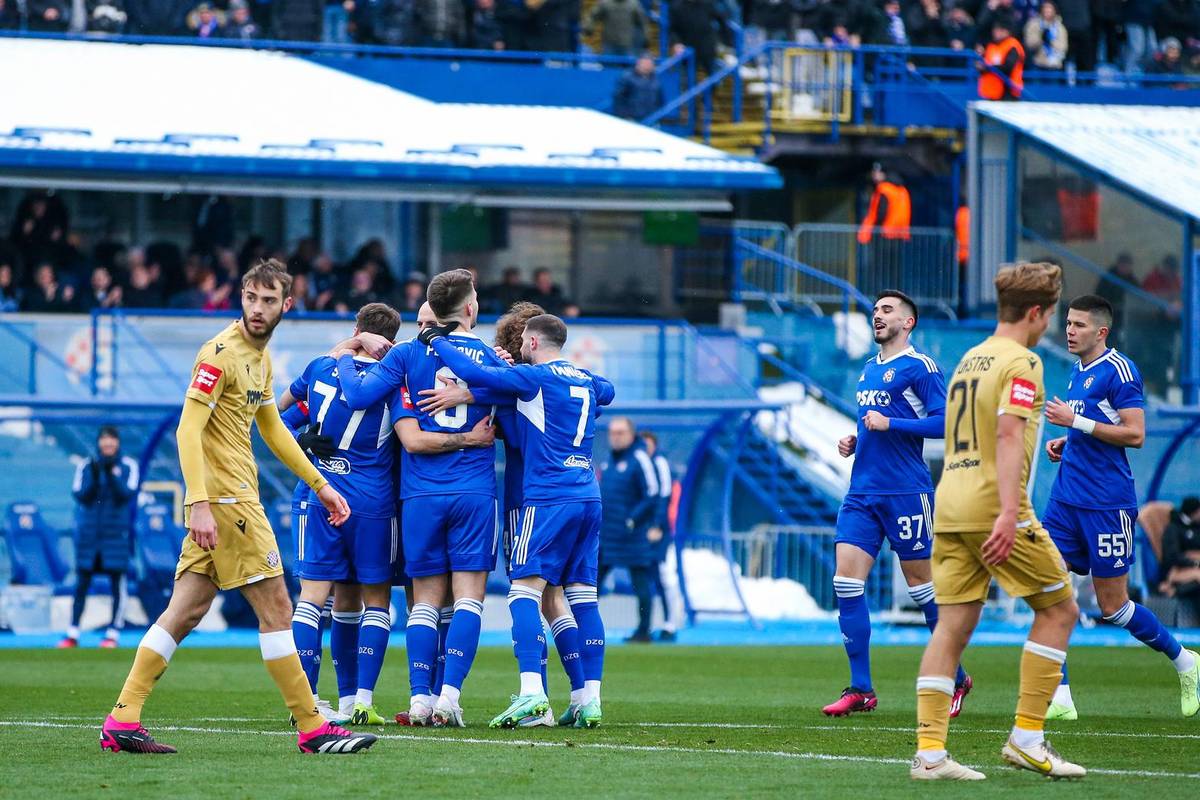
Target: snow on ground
{"type": "Point", "coordinates": [710, 588]}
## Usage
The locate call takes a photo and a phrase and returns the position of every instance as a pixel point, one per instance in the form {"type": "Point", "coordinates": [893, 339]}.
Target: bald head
{"type": "Point", "coordinates": [426, 317]}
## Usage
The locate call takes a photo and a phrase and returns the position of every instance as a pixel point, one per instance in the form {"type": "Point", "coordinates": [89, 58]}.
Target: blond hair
{"type": "Point", "coordinates": [1020, 287]}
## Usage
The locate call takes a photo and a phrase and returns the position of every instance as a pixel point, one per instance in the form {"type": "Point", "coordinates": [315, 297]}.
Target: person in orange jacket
{"type": "Point", "coordinates": [1005, 56]}
{"type": "Point", "coordinates": [890, 210]}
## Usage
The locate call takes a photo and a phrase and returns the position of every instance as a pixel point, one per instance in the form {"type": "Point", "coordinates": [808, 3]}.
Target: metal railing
{"type": "Point", "coordinates": [784, 282]}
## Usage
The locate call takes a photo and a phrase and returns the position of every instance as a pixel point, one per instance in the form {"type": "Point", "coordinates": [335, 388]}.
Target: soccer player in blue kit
{"type": "Point", "coordinates": [449, 538]}
{"type": "Point", "coordinates": [901, 402]}
{"type": "Point", "coordinates": [558, 539]}
{"type": "Point", "coordinates": [1093, 504]}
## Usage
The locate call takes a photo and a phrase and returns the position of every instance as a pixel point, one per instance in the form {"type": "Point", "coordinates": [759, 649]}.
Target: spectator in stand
{"type": "Point", "coordinates": [47, 294]}
{"type": "Point", "coordinates": [1081, 43]}
{"type": "Point", "coordinates": [10, 291]}
{"type": "Point", "coordinates": [439, 23]}
{"type": "Point", "coordinates": [301, 261]}
{"type": "Point", "coordinates": [499, 298]}
{"type": "Point", "coordinates": [513, 17]}
{"type": "Point", "coordinates": [1140, 40]}
{"type": "Point", "coordinates": [204, 22]}
{"type": "Point", "coordinates": [374, 251]}
{"type": "Point", "coordinates": [1005, 57]}
{"type": "Point", "coordinates": [104, 16]}
{"type": "Point", "coordinates": [694, 24]}
{"type": "Point", "coordinates": [1113, 287]}
{"type": "Point", "coordinates": [297, 20]}
{"type": "Point", "coordinates": [639, 92]}
{"type": "Point", "coordinates": [240, 25]}
{"type": "Point", "coordinates": [40, 227]}
{"type": "Point", "coordinates": [324, 282]}
{"type": "Point", "coordinates": [1165, 281]}
{"type": "Point", "coordinates": [895, 34]}
{"type": "Point", "coordinates": [335, 27]}
{"type": "Point", "coordinates": [10, 15]}
{"type": "Point", "coordinates": [1181, 19]}
{"type": "Point", "coordinates": [487, 33]}
{"type": "Point", "coordinates": [1180, 565]}
{"type": "Point", "coordinates": [102, 291]}
{"type": "Point", "coordinates": [925, 25]}
{"type": "Point", "coordinates": [1046, 38]}
{"type": "Point", "coordinates": [545, 292]}
{"type": "Point", "coordinates": [1107, 33]}
{"type": "Point", "coordinates": [840, 36]}
{"type": "Point", "coordinates": [412, 294]}
{"type": "Point", "coordinates": [571, 311]}
{"type": "Point", "coordinates": [143, 291]}
{"type": "Point", "coordinates": [361, 292]}
{"type": "Point", "coordinates": [776, 19]}
{"type": "Point", "coordinates": [1168, 62]}
{"type": "Point", "coordinates": [213, 223]}
{"type": "Point", "coordinates": [46, 16]}
{"type": "Point", "coordinates": [548, 26]}
{"type": "Point", "coordinates": [624, 23]}
{"type": "Point", "coordinates": [157, 17]}
{"type": "Point", "coordinates": [960, 29]}
{"type": "Point", "coordinates": [301, 294]}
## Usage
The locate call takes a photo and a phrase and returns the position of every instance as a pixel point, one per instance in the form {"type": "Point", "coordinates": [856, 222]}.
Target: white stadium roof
{"type": "Point", "coordinates": [250, 121]}
{"type": "Point", "coordinates": [1152, 150]}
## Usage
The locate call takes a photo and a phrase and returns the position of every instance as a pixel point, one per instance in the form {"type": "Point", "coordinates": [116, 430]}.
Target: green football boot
{"type": "Point", "coordinates": [1189, 688]}
{"type": "Point", "coordinates": [589, 714]}
{"type": "Point", "coordinates": [569, 716]}
{"type": "Point", "coordinates": [526, 705]}
{"type": "Point", "coordinates": [366, 715]}
{"type": "Point", "coordinates": [1063, 711]}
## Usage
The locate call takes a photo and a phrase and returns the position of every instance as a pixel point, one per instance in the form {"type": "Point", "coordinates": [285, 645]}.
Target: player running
{"type": "Point", "coordinates": [986, 528]}
{"type": "Point", "coordinates": [901, 402]}
{"type": "Point", "coordinates": [230, 543]}
{"type": "Point", "coordinates": [1093, 504]}
{"type": "Point", "coordinates": [449, 539]}
{"type": "Point", "coordinates": [558, 540]}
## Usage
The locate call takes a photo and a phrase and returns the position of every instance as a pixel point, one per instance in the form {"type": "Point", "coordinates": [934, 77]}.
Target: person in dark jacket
{"type": "Point", "coordinates": [639, 92]}
{"type": "Point", "coordinates": [297, 20]}
{"type": "Point", "coordinates": [630, 499]}
{"type": "Point", "coordinates": [1179, 570]}
{"type": "Point", "coordinates": [105, 487]}
{"type": "Point", "coordinates": [157, 17]}
{"type": "Point", "coordinates": [47, 16]}
{"type": "Point", "coordinates": [696, 24]}
{"type": "Point", "coordinates": [487, 33]}
{"type": "Point", "coordinates": [666, 584]}
{"type": "Point", "coordinates": [439, 23]}
{"type": "Point", "coordinates": [548, 26]}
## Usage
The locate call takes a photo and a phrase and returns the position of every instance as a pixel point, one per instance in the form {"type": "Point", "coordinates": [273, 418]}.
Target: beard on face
{"type": "Point", "coordinates": [270, 326]}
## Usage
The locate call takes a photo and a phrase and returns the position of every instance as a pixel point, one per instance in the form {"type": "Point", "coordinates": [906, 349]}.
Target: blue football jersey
{"type": "Point", "coordinates": [556, 405]}
{"type": "Point", "coordinates": [514, 464]}
{"type": "Point", "coordinates": [295, 418]}
{"type": "Point", "coordinates": [910, 390]}
{"type": "Point", "coordinates": [364, 438]}
{"type": "Point", "coordinates": [471, 470]}
{"type": "Point", "coordinates": [1095, 474]}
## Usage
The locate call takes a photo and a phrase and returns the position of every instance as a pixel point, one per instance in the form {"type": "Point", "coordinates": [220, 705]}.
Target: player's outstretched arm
{"type": "Point", "coordinates": [511, 380]}
{"type": "Point", "coordinates": [277, 437]}
{"type": "Point", "coordinates": [364, 389]}
{"type": "Point", "coordinates": [932, 426]}
{"type": "Point", "coordinates": [416, 440]}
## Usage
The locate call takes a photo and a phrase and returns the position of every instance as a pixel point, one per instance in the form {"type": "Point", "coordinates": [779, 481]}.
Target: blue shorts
{"type": "Point", "coordinates": [1090, 540]}
{"type": "Point", "coordinates": [560, 543]}
{"type": "Point", "coordinates": [299, 512]}
{"type": "Point", "coordinates": [362, 550]}
{"type": "Point", "coordinates": [905, 519]}
{"type": "Point", "coordinates": [512, 523]}
{"type": "Point", "coordinates": [450, 533]}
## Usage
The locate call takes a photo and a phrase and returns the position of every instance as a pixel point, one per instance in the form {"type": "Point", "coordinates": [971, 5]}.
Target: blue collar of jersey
{"type": "Point", "coordinates": [1103, 356]}
{"type": "Point", "coordinates": [461, 334]}
{"type": "Point", "coordinates": [908, 351]}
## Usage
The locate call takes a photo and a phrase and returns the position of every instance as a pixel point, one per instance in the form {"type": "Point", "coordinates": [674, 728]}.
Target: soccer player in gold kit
{"type": "Point", "coordinates": [230, 544]}
{"type": "Point", "coordinates": [986, 528]}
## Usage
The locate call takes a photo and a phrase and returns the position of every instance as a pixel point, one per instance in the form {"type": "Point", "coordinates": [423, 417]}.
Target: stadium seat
{"type": "Point", "coordinates": [33, 547]}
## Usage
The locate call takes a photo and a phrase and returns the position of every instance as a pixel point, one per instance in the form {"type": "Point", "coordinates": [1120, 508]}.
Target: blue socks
{"type": "Point", "coordinates": [343, 646]}
{"type": "Point", "coordinates": [421, 639]}
{"type": "Point", "coordinates": [586, 610]}
{"type": "Point", "coordinates": [306, 630]}
{"type": "Point", "coordinates": [545, 660]}
{"type": "Point", "coordinates": [462, 641]}
{"type": "Point", "coordinates": [524, 604]}
{"type": "Point", "coordinates": [566, 641]}
{"type": "Point", "coordinates": [922, 595]}
{"type": "Point", "coordinates": [439, 666]}
{"type": "Point", "coordinates": [855, 621]}
{"type": "Point", "coordinates": [372, 647]}
{"type": "Point", "coordinates": [1145, 627]}
{"type": "Point", "coordinates": [1064, 681]}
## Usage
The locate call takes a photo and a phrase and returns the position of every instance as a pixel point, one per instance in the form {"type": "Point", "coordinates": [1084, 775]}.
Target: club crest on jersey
{"type": "Point", "coordinates": [1088, 383]}
{"type": "Point", "coordinates": [889, 376]}
{"type": "Point", "coordinates": [273, 559]}
{"type": "Point", "coordinates": [583, 462]}
{"type": "Point", "coordinates": [874, 397]}
{"type": "Point", "coordinates": [337, 465]}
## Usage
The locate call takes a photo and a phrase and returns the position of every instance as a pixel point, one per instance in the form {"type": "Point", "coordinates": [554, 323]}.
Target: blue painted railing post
{"type": "Point", "coordinates": [1191, 316]}
{"type": "Point", "coordinates": [662, 360]}
{"type": "Point", "coordinates": [95, 351]}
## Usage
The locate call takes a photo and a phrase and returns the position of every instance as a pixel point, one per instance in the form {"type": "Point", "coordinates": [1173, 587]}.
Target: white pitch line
{"type": "Point", "coordinates": [627, 748]}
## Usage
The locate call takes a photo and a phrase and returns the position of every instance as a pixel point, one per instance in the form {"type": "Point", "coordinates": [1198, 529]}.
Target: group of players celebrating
{"type": "Point", "coordinates": [400, 488]}
{"type": "Point", "coordinates": [986, 527]}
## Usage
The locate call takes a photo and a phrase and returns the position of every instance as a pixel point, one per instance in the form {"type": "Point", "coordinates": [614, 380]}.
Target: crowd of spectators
{"type": "Point", "coordinates": [46, 267]}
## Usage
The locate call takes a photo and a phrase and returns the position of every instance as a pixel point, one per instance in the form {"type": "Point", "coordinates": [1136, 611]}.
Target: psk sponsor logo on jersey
{"type": "Point", "coordinates": [337, 465]}
{"type": "Point", "coordinates": [1023, 393]}
{"type": "Point", "coordinates": [874, 397]}
{"type": "Point", "coordinates": [582, 462]}
{"type": "Point", "coordinates": [1088, 383]}
{"type": "Point", "coordinates": [273, 559]}
{"type": "Point", "coordinates": [889, 375]}
{"type": "Point", "coordinates": [254, 397]}
{"type": "Point", "coordinates": [1078, 406]}
{"type": "Point", "coordinates": [206, 378]}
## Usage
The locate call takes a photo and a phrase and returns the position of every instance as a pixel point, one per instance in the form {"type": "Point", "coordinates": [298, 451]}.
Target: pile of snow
{"type": "Point", "coordinates": [710, 588]}
{"type": "Point", "coordinates": [811, 426]}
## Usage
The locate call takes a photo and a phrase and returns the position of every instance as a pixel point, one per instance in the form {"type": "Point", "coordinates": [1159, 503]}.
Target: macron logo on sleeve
{"type": "Point", "coordinates": [206, 378]}
{"type": "Point", "coordinates": [1023, 393]}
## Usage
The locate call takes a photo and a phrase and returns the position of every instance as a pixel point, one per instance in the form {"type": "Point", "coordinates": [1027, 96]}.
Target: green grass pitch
{"type": "Point", "coordinates": [679, 722]}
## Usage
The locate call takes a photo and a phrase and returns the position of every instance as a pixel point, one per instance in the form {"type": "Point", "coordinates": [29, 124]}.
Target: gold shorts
{"type": "Point", "coordinates": [1034, 571]}
{"type": "Point", "coordinates": [246, 550]}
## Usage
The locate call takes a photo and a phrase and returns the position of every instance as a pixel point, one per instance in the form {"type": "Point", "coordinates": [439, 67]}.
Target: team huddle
{"type": "Point", "coordinates": [985, 523]}
{"type": "Point", "coordinates": [400, 488]}
{"type": "Point", "coordinates": [394, 448]}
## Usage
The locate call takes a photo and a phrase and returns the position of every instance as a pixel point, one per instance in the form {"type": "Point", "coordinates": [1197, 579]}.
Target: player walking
{"type": "Point", "coordinates": [231, 544]}
{"type": "Point", "coordinates": [901, 402]}
{"type": "Point", "coordinates": [1093, 504]}
{"type": "Point", "coordinates": [558, 540]}
{"type": "Point", "coordinates": [986, 528]}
